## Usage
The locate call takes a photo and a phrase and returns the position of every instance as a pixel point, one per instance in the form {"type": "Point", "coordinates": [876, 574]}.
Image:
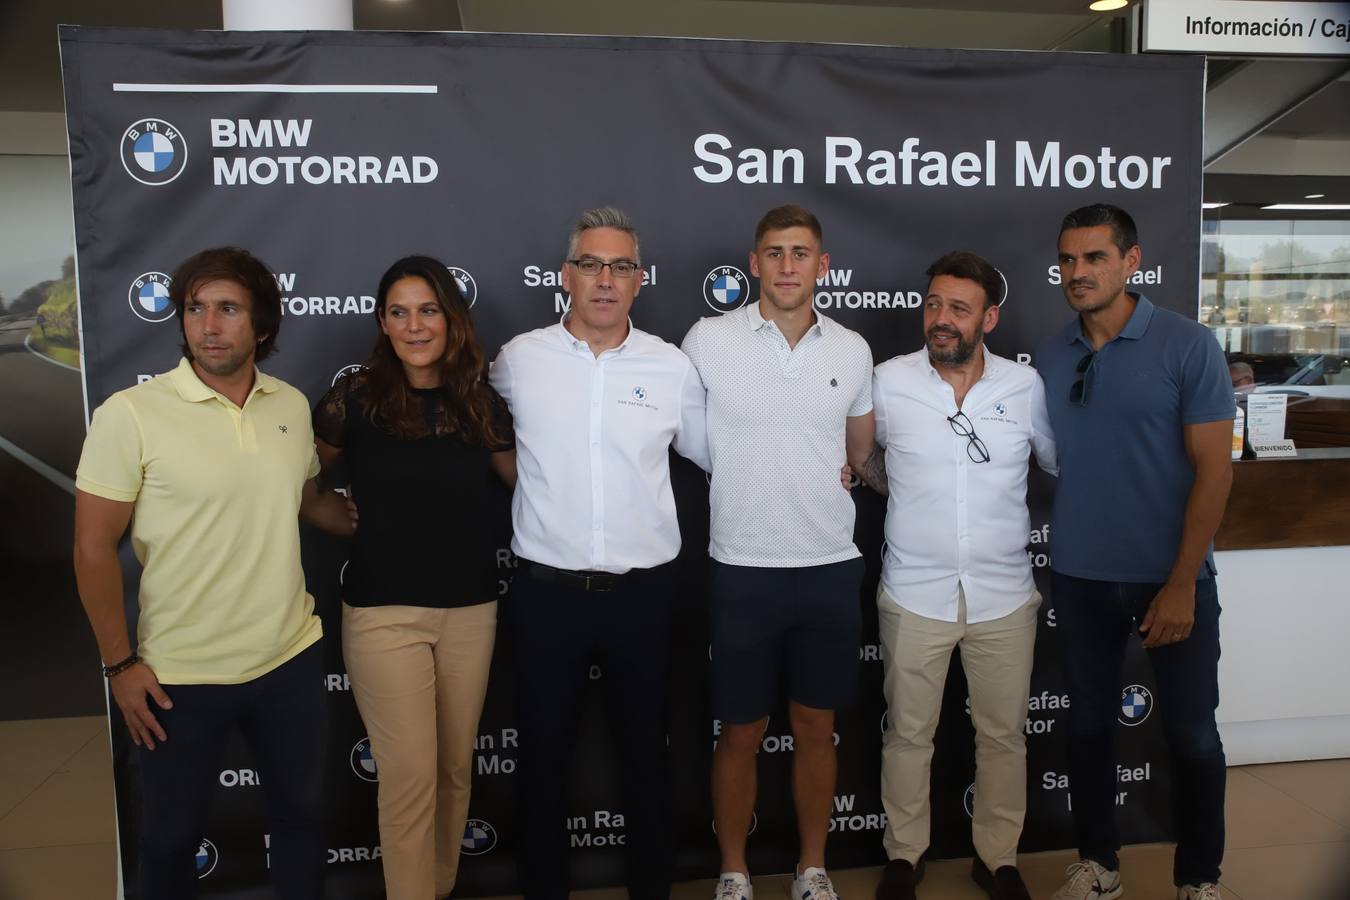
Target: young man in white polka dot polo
{"type": "Point", "coordinates": [789, 400]}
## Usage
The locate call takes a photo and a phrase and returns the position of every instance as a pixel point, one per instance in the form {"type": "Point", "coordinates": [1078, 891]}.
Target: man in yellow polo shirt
{"type": "Point", "coordinates": [215, 460]}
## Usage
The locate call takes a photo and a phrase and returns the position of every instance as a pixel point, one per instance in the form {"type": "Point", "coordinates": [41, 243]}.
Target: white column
{"type": "Point", "coordinates": [287, 15]}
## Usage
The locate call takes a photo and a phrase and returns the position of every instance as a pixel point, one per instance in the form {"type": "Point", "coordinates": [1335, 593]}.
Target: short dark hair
{"type": "Point", "coordinates": [967, 265]}
{"type": "Point", "coordinates": [1123, 232]}
{"type": "Point", "coordinates": [244, 269]}
{"type": "Point", "coordinates": [789, 216]}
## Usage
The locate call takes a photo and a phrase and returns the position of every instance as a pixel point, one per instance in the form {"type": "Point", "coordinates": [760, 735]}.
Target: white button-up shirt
{"type": "Point", "coordinates": [776, 417]}
{"type": "Point", "coordinates": [592, 436]}
{"type": "Point", "coordinates": [952, 521]}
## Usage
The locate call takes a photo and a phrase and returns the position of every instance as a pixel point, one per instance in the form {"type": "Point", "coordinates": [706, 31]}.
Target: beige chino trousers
{"type": "Point", "coordinates": [997, 657]}
{"type": "Point", "coordinates": [419, 676]}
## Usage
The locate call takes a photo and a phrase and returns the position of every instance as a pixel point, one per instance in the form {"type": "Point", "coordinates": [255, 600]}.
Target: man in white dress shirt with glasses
{"type": "Point", "coordinates": [597, 404]}
{"type": "Point", "coordinates": [955, 426]}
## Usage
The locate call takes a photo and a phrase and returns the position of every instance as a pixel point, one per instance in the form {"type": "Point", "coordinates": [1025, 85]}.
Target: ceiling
{"type": "Point", "coordinates": [30, 75]}
{"type": "Point", "coordinates": [30, 78]}
{"type": "Point", "coordinates": [1326, 114]}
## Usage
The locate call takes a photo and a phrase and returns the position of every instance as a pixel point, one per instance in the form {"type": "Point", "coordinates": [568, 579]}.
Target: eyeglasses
{"type": "Point", "coordinates": [591, 267]}
{"type": "Point", "coordinates": [1078, 392]}
{"type": "Point", "coordinates": [975, 447]}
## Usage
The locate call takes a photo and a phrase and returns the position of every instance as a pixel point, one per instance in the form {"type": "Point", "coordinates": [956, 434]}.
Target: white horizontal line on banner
{"type": "Point", "coordinates": [59, 479]}
{"type": "Point", "coordinates": [275, 88]}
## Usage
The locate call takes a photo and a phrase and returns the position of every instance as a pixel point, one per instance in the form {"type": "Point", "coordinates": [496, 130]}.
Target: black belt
{"type": "Point", "coordinates": [585, 579]}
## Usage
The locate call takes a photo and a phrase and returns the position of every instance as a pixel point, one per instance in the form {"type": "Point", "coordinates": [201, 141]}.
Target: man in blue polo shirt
{"type": "Point", "coordinates": [1142, 407]}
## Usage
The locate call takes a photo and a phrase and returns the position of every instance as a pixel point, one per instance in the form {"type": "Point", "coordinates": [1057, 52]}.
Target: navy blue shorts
{"type": "Point", "coordinates": [793, 626]}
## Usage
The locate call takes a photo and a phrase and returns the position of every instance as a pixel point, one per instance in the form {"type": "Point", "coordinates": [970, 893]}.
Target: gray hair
{"type": "Point", "coordinates": [604, 217]}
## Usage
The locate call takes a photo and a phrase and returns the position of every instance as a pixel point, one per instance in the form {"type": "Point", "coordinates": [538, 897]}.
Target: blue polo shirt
{"type": "Point", "coordinates": [1123, 473]}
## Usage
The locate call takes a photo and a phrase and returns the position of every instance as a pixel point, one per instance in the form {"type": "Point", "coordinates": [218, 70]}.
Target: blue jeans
{"type": "Point", "coordinates": [284, 717]}
{"type": "Point", "coordinates": [1094, 619]}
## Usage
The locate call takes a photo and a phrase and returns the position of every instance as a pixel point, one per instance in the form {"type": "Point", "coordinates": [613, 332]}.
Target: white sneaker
{"type": "Point", "coordinates": [734, 886]}
{"type": "Point", "coordinates": [1089, 880]}
{"type": "Point", "coordinates": [813, 884]}
{"type": "Point", "coordinates": [1204, 891]}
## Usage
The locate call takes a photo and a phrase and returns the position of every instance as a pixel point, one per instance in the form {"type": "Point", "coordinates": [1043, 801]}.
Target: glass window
{"type": "Point", "coordinates": [1277, 295]}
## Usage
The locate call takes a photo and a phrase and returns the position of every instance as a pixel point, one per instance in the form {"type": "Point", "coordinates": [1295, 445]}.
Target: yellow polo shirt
{"type": "Point", "coordinates": [217, 492]}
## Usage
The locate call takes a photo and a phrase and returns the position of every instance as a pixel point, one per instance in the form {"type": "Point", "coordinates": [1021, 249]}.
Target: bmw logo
{"type": "Point", "coordinates": [153, 151]}
{"type": "Point", "coordinates": [342, 574]}
{"type": "Point", "coordinates": [1000, 410]}
{"type": "Point", "coordinates": [468, 288]}
{"type": "Point", "coordinates": [1004, 279]}
{"type": "Point", "coordinates": [1135, 704]}
{"type": "Point", "coordinates": [206, 858]}
{"type": "Point", "coordinates": [885, 722]}
{"type": "Point", "coordinates": [726, 288]}
{"type": "Point", "coordinates": [479, 837]}
{"type": "Point", "coordinates": [149, 297]}
{"type": "Point", "coordinates": [970, 800]}
{"type": "Point", "coordinates": [363, 764]}
{"type": "Point", "coordinates": [639, 393]}
{"type": "Point", "coordinates": [347, 370]}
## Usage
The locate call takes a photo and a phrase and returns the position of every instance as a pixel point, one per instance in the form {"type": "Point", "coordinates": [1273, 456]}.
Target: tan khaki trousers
{"type": "Point", "coordinates": [419, 677]}
{"type": "Point", "coordinates": [997, 657]}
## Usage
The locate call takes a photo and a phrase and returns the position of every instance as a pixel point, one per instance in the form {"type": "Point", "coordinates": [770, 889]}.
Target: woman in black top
{"type": "Point", "coordinates": [420, 434]}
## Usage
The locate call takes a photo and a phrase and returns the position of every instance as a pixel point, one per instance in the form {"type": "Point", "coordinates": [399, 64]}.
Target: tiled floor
{"type": "Point", "coordinates": [1288, 831]}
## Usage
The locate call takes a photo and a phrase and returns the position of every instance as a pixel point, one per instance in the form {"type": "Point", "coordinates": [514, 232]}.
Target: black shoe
{"type": "Point", "coordinates": [899, 879]}
{"type": "Point", "coordinates": [1005, 884]}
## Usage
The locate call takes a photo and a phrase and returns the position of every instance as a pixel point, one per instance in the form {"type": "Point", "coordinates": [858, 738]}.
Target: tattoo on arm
{"type": "Point", "coordinates": [873, 472]}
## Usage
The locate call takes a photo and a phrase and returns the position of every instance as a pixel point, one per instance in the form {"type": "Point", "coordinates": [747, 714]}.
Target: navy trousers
{"type": "Point", "coordinates": [1094, 619]}
{"type": "Point", "coordinates": [284, 718]}
{"type": "Point", "coordinates": [558, 632]}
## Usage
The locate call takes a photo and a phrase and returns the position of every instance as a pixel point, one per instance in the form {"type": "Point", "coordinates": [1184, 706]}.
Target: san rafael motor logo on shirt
{"type": "Point", "coordinates": [726, 289]}
{"type": "Point", "coordinates": [1136, 702]}
{"type": "Point", "coordinates": [479, 837]}
{"type": "Point", "coordinates": [153, 151]}
{"type": "Point", "coordinates": [639, 397]}
{"type": "Point", "coordinates": [363, 763]}
{"type": "Point", "coordinates": [149, 297]}
{"type": "Point", "coordinates": [998, 412]}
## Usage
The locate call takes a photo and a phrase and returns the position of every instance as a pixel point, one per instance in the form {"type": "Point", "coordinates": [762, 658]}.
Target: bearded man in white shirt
{"type": "Point", "coordinates": [955, 426]}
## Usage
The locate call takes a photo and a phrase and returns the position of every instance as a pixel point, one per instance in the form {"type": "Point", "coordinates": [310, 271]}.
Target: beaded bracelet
{"type": "Point", "coordinates": [120, 667]}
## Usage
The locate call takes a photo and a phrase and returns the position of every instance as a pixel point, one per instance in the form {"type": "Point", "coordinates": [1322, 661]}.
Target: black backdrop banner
{"type": "Point", "coordinates": [330, 155]}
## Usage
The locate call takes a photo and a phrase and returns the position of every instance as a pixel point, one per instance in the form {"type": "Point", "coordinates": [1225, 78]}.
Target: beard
{"type": "Point", "coordinates": [958, 354]}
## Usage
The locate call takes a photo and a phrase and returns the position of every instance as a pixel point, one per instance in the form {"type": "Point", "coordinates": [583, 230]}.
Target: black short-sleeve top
{"type": "Point", "coordinates": [432, 512]}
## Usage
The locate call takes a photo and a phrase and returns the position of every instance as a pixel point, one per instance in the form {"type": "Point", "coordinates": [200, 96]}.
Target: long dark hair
{"type": "Point", "coordinates": [468, 400]}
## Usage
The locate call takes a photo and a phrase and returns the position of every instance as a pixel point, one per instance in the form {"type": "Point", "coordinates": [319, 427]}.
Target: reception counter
{"type": "Point", "coordinates": [1283, 554]}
